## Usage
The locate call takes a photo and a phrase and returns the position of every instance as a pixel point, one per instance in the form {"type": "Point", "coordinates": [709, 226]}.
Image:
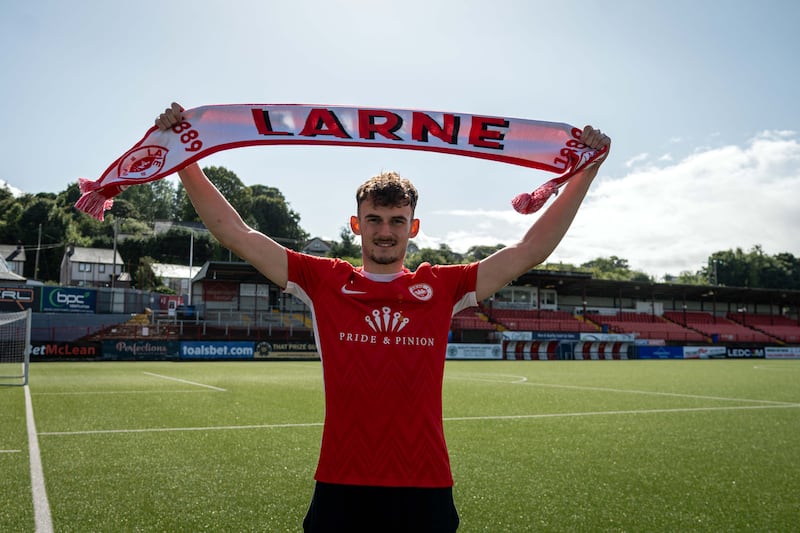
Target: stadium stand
{"type": "Point", "coordinates": [471, 318]}
{"type": "Point", "coordinates": [782, 328]}
{"type": "Point", "coordinates": [649, 326]}
{"type": "Point", "coordinates": [718, 328]}
{"type": "Point", "coordinates": [540, 320]}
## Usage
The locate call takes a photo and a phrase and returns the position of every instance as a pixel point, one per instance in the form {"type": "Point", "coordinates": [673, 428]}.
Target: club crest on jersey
{"type": "Point", "coordinates": [142, 162]}
{"type": "Point", "coordinates": [421, 291]}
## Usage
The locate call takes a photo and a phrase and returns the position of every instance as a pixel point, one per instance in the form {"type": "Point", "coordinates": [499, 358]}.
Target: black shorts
{"type": "Point", "coordinates": [355, 508]}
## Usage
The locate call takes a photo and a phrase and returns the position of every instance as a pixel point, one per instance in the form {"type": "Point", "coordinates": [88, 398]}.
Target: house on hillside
{"type": "Point", "coordinates": [317, 246]}
{"type": "Point", "coordinates": [163, 226]}
{"type": "Point", "coordinates": [7, 276]}
{"type": "Point", "coordinates": [14, 255]}
{"type": "Point", "coordinates": [92, 267]}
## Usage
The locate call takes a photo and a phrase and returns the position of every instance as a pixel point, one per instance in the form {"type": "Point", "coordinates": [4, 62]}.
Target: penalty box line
{"type": "Point", "coordinates": [445, 419]}
{"type": "Point", "coordinates": [522, 380]}
{"type": "Point", "coordinates": [186, 381]}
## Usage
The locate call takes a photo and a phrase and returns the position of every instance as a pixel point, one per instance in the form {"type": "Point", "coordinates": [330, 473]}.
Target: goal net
{"type": "Point", "coordinates": [15, 347]}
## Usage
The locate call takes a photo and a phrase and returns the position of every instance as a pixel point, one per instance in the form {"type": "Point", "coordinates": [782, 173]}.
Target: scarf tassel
{"type": "Point", "coordinates": [527, 203]}
{"type": "Point", "coordinates": [94, 202]}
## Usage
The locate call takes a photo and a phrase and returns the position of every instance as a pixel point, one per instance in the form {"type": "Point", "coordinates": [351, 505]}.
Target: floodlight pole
{"type": "Point", "coordinates": [114, 261]}
{"type": "Point", "coordinates": [191, 256]}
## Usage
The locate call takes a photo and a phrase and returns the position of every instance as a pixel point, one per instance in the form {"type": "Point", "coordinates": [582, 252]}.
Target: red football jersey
{"type": "Point", "coordinates": [383, 346]}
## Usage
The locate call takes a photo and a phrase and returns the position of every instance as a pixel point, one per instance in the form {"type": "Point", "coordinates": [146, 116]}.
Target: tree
{"type": "Point", "coordinates": [262, 207]}
{"type": "Point", "coordinates": [40, 211]}
{"type": "Point", "coordinates": [789, 271]}
{"type": "Point", "coordinates": [231, 187]}
{"type": "Point", "coordinates": [607, 264]}
{"type": "Point", "coordinates": [561, 267]}
{"type": "Point", "coordinates": [736, 268]}
{"type": "Point", "coordinates": [614, 268]}
{"type": "Point", "coordinates": [476, 253]}
{"type": "Point", "coordinates": [152, 201]}
{"type": "Point", "coordinates": [144, 277]}
{"type": "Point", "coordinates": [272, 216]}
{"type": "Point", "coordinates": [687, 278]}
{"type": "Point", "coordinates": [347, 248]}
{"type": "Point", "coordinates": [441, 256]}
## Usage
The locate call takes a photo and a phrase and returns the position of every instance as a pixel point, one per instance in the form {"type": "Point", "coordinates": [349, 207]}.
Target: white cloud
{"type": "Point", "coordinates": [13, 190]}
{"type": "Point", "coordinates": [669, 219]}
{"type": "Point", "coordinates": [636, 159]}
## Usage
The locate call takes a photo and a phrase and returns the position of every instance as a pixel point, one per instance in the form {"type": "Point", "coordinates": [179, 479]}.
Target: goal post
{"type": "Point", "coordinates": [15, 347]}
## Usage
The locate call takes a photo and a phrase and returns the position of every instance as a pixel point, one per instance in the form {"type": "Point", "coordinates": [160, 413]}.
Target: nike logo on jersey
{"type": "Point", "coordinates": [345, 290]}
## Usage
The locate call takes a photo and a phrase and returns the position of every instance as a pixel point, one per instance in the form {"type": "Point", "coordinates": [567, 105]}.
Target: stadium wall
{"type": "Point", "coordinates": [220, 350]}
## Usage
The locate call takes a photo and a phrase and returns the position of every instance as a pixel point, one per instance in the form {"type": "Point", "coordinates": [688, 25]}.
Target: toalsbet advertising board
{"type": "Point", "coordinates": [217, 350]}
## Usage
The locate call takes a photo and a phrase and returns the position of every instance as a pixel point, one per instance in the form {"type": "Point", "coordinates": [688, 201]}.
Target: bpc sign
{"type": "Point", "coordinates": [68, 300]}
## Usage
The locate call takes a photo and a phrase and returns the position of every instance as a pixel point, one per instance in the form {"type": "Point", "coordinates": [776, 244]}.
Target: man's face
{"type": "Point", "coordinates": [384, 232]}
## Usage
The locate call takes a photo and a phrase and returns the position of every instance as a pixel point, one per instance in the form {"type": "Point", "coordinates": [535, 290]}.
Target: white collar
{"type": "Point", "coordinates": [382, 278]}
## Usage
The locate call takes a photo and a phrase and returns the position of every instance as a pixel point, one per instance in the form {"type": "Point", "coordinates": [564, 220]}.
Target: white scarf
{"type": "Point", "coordinates": [550, 146]}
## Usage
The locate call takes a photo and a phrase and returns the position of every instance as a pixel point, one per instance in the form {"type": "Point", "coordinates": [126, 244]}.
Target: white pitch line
{"type": "Point", "coordinates": [447, 419]}
{"type": "Point", "coordinates": [516, 379]}
{"type": "Point", "coordinates": [151, 391]}
{"type": "Point", "coordinates": [658, 393]}
{"type": "Point", "coordinates": [625, 412]}
{"type": "Point", "coordinates": [163, 430]}
{"type": "Point", "coordinates": [776, 368]}
{"type": "Point", "coordinates": [521, 380]}
{"type": "Point", "coordinates": [179, 380]}
{"type": "Point", "coordinates": [41, 506]}
{"type": "Point", "coordinates": [10, 451]}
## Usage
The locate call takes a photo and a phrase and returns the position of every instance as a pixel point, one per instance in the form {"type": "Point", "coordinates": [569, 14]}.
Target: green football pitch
{"type": "Point", "coordinates": [535, 446]}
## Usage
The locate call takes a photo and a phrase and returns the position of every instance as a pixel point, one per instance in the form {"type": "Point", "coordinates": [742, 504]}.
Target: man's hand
{"type": "Point", "coordinates": [592, 138]}
{"type": "Point", "coordinates": [171, 116]}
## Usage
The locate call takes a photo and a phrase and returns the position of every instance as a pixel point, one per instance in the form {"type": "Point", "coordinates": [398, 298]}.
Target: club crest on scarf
{"type": "Point", "coordinates": [142, 162]}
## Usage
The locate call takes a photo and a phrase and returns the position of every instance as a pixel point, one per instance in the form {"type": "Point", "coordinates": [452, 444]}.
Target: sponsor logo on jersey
{"type": "Point", "coordinates": [345, 290]}
{"type": "Point", "coordinates": [384, 327]}
{"type": "Point", "coordinates": [384, 319]}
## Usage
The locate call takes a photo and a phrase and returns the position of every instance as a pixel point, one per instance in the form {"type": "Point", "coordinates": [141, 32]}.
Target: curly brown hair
{"type": "Point", "coordinates": [388, 189]}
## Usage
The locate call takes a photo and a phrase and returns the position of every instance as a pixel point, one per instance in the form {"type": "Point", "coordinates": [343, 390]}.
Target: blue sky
{"type": "Point", "coordinates": [700, 99]}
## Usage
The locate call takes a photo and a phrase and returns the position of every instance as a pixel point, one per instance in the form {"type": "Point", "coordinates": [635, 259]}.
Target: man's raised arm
{"type": "Point", "coordinates": [506, 265]}
{"type": "Point", "coordinates": [223, 221]}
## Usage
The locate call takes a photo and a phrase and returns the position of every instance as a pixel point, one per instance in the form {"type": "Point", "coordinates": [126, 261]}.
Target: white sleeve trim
{"type": "Point", "coordinates": [470, 299]}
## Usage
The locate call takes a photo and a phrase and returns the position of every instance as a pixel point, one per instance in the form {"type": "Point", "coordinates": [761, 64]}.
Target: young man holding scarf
{"type": "Point", "coordinates": [382, 334]}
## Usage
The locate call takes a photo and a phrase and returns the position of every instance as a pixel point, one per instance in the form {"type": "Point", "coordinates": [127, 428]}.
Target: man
{"type": "Point", "coordinates": [382, 336]}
